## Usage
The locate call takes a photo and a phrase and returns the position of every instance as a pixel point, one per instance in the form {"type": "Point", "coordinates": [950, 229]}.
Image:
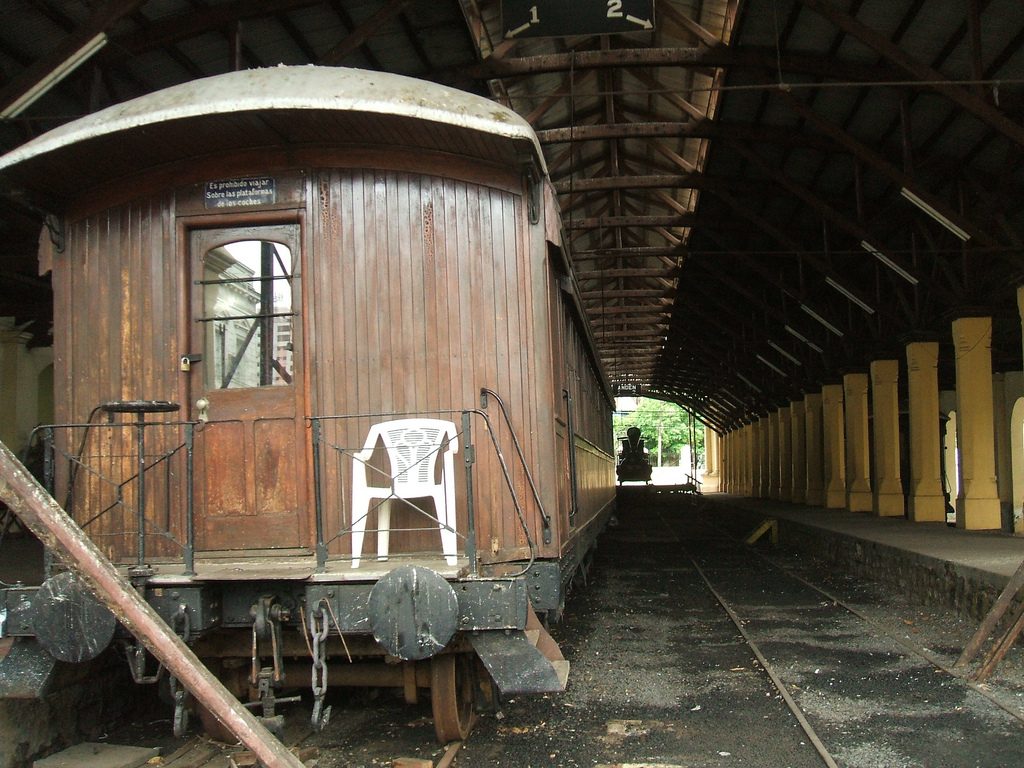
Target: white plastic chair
{"type": "Point", "coordinates": [413, 447]}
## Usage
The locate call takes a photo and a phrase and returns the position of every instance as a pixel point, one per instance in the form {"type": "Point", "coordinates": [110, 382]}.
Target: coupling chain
{"type": "Point", "coordinates": [319, 628]}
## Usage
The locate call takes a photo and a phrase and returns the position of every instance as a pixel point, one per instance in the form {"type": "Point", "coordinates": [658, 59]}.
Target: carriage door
{"type": "Point", "coordinates": [250, 457]}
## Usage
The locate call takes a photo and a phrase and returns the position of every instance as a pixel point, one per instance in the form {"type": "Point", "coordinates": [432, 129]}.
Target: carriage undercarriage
{"type": "Point", "coordinates": [272, 632]}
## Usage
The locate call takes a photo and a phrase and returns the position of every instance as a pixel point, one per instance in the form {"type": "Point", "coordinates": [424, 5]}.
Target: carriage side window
{"type": "Point", "coordinates": [248, 315]}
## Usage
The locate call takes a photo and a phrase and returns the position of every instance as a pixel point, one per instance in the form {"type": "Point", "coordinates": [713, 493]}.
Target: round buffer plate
{"type": "Point", "coordinates": [414, 612]}
{"type": "Point", "coordinates": [70, 623]}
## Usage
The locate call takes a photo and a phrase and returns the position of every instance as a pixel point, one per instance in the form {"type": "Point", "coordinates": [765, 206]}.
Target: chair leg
{"type": "Point", "coordinates": [449, 539]}
{"type": "Point", "coordinates": [383, 529]}
{"type": "Point", "coordinates": [360, 511]}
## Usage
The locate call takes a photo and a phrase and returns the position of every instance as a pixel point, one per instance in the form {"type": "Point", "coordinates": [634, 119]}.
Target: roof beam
{"type": "Point", "coordinates": [630, 309]}
{"type": "Point", "coordinates": [702, 128]}
{"type": "Point", "coordinates": [197, 21]}
{"type": "Point", "coordinates": [883, 166]}
{"type": "Point", "coordinates": [358, 36]}
{"type": "Point", "coordinates": [643, 181]}
{"type": "Point", "coordinates": [684, 220]}
{"type": "Point", "coordinates": [709, 57]}
{"type": "Point", "coordinates": [930, 78]}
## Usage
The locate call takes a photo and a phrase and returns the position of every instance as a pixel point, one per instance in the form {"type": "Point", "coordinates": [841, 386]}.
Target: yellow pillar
{"type": "Point", "coordinates": [745, 452]}
{"type": "Point", "coordinates": [1001, 425]}
{"type": "Point", "coordinates": [764, 458]}
{"type": "Point", "coordinates": [735, 466]}
{"type": "Point", "coordinates": [785, 455]}
{"type": "Point", "coordinates": [9, 386]}
{"type": "Point", "coordinates": [834, 443]}
{"type": "Point", "coordinates": [858, 443]}
{"type": "Point", "coordinates": [798, 449]}
{"type": "Point", "coordinates": [712, 480]}
{"type": "Point", "coordinates": [815, 449]}
{"type": "Point", "coordinates": [977, 507]}
{"type": "Point", "coordinates": [926, 502]}
{"type": "Point", "coordinates": [773, 455]}
{"type": "Point", "coordinates": [726, 446]}
{"type": "Point", "coordinates": [885, 414]}
{"type": "Point", "coordinates": [753, 459]}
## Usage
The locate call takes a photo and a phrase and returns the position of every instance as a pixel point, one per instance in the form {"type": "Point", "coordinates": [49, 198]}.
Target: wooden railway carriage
{"type": "Point", "coordinates": [322, 380]}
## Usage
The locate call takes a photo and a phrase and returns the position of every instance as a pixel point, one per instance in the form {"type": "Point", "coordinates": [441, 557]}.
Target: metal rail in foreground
{"type": "Point", "coordinates": [58, 532]}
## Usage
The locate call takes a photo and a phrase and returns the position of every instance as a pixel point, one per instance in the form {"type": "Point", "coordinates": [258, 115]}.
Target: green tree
{"type": "Point", "coordinates": [654, 416]}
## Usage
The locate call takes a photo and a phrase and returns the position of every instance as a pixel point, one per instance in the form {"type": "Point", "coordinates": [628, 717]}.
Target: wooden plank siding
{"type": "Point", "coordinates": [591, 420]}
{"type": "Point", "coordinates": [421, 282]}
{"type": "Point", "coordinates": [422, 300]}
{"type": "Point", "coordinates": [116, 340]}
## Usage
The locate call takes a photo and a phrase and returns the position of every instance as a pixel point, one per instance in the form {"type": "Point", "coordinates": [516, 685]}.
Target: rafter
{"type": "Point", "coordinates": [930, 78]}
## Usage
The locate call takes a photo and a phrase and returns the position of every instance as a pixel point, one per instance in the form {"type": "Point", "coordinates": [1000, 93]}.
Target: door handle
{"type": "Point", "coordinates": [202, 410]}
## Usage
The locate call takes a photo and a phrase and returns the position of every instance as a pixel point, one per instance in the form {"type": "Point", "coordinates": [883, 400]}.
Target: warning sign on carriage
{"type": "Point", "coordinates": [229, 193]}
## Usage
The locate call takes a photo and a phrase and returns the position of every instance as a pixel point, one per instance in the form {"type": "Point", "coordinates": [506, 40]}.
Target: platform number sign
{"type": "Point", "coordinates": [562, 18]}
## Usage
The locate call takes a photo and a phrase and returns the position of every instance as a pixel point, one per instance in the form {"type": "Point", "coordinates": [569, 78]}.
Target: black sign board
{"type": "Point", "coordinates": [562, 18]}
{"type": "Point", "coordinates": [230, 193]}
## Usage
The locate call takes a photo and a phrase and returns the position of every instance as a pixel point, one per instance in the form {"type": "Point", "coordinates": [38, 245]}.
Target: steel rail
{"type": "Point", "coordinates": [952, 671]}
{"type": "Point", "coordinates": [798, 713]}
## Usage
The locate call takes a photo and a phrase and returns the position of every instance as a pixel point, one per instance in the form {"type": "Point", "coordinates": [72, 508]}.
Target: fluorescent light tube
{"type": "Point", "coordinates": [794, 332]}
{"type": "Point", "coordinates": [773, 367]}
{"type": "Point", "coordinates": [935, 214]}
{"type": "Point", "coordinates": [748, 382]}
{"type": "Point", "coordinates": [821, 320]}
{"type": "Point", "coordinates": [783, 352]}
{"type": "Point", "coordinates": [848, 294]}
{"type": "Point", "coordinates": [58, 73]}
{"type": "Point", "coordinates": [888, 262]}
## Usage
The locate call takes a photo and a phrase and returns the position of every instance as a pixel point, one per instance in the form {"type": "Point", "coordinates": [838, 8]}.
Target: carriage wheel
{"type": "Point", "coordinates": [213, 727]}
{"type": "Point", "coordinates": [451, 696]}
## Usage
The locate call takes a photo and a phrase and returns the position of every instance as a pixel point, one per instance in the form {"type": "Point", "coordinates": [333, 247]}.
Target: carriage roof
{"type": "Point", "coordinates": [305, 106]}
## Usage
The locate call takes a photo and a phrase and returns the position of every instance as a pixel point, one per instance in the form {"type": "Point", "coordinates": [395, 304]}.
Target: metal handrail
{"type": "Point", "coordinates": [487, 392]}
{"type": "Point", "coordinates": [75, 462]}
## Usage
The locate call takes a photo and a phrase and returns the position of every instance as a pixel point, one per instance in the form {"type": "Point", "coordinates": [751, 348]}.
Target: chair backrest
{"type": "Point", "coordinates": [414, 447]}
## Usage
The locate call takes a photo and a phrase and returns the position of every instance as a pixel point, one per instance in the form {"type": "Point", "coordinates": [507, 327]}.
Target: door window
{"type": "Point", "coordinates": [248, 315]}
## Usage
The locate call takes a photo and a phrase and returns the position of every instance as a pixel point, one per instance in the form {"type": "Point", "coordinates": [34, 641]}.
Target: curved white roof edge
{"type": "Point", "coordinates": [289, 87]}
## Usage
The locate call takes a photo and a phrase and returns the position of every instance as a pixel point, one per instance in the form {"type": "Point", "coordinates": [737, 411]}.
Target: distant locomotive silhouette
{"type": "Point", "coordinates": [633, 463]}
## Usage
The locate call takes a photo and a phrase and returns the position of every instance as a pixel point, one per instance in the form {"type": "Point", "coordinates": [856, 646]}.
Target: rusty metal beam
{"type": "Point", "coordinates": [711, 57]}
{"type": "Point", "coordinates": [702, 129]}
{"type": "Point", "coordinates": [898, 177]}
{"type": "Point", "coordinates": [355, 39]}
{"type": "Point", "coordinates": [685, 220]}
{"type": "Point", "coordinates": [640, 181]}
{"type": "Point", "coordinates": [58, 532]}
{"type": "Point", "coordinates": [630, 309]}
{"type": "Point", "coordinates": [169, 30]}
{"type": "Point", "coordinates": [653, 293]}
{"type": "Point", "coordinates": [930, 78]}
{"type": "Point", "coordinates": [600, 274]}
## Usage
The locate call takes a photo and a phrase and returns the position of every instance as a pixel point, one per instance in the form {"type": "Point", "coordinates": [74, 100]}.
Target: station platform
{"type": "Point", "coordinates": [935, 563]}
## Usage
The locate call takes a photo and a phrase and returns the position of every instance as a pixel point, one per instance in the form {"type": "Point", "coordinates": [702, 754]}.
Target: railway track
{"type": "Point", "coordinates": [844, 654]}
{"type": "Point", "coordinates": [690, 649]}
{"type": "Point", "coordinates": [663, 674]}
